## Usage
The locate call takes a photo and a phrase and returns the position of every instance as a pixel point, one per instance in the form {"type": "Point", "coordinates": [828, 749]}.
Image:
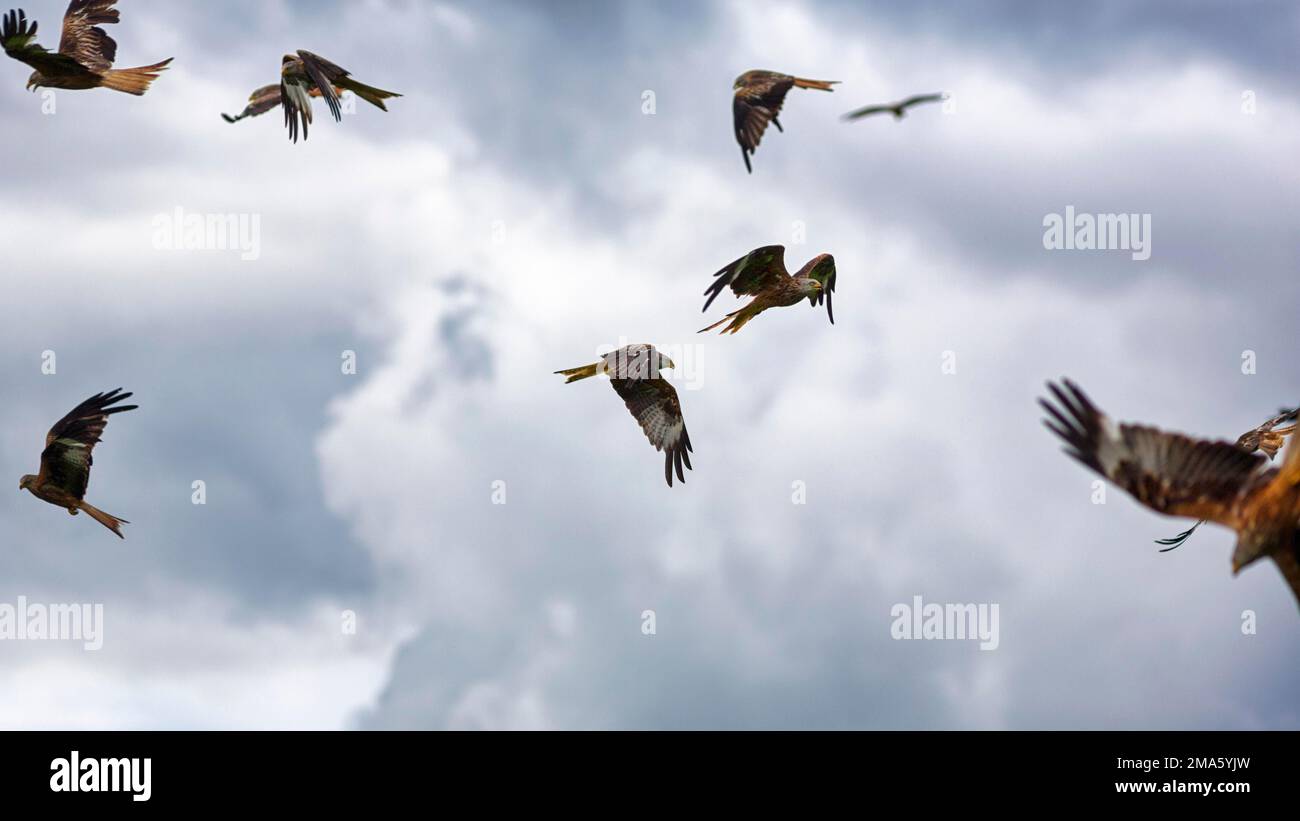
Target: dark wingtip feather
{"type": "Point", "coordinates": [1175, 542]}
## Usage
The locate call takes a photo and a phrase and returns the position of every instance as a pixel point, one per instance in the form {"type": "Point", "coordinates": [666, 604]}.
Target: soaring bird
{"type": "Point", "coordinates": [898, 109]}
{"type": "Point", "coordinates": [761, 274]}
{"type": "Point", "coordinates": [1179, 476]}
{"type": "Point", "coordinates": [304, 73]}
{"type": "Point", "coordinates": [1266, 438]}
{"type": "Point", "coordinates": [66, 460]}
{"type": "Point", "coordinates": [634, 373]}
{"type": "Point", "coordinates": [86, 53]}
{"type": "Point", "coordinates": [758, 101]}
{"type": "Point", "coordinates": [266, 99]}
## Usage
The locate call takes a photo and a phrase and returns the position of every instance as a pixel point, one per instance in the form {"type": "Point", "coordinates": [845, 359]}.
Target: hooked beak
{"type": "Point", "coordinates": [668, 363]}
{"type": "Point", "coordinates": [31, 86]}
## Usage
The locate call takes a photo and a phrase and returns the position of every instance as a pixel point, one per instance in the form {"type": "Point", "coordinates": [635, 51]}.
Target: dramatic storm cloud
{"type": "Point", "coordinates": [499, 536]}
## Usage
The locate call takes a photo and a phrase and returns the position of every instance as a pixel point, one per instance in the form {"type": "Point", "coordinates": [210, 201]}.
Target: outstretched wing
{"type": "Point", "coordinates": [1167, 472]}
{"type": "Point", "coordinates": [653, 402]}
{"type": "Point", "coordinates": [750, 274]}
{"type": "Point", "coordinates": [823, 270]}
{"type": "Point", "coordinates": [867, 111]}
{"type": "Point", "coordinates": [1267, 439]}
{"type": "Point", "coordinates": [920, 99]}
{"type": "Point", "coordinates": [84, 40]}
{"type": "Point", "coordinates": [18, 36]}
{"type": "Point", "coordinates": [266, 98]}
{"type": "Point", "coordinates": [261, 101]}
{"type": "Point", "coordinates": [66, 461]}
{"type": "Point", "coordinates": [755, 105]}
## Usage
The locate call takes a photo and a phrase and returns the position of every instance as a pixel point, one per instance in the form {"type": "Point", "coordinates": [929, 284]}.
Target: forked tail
{"type": "Point", "coordinates": [134, 80]}
{"type": "Point", "coordinates": [106, 519]}
{"type": "Point", "coordinates": [584, 372]}
{"type": "Point", "coordinates": [738, 320]}
{"type": "Point", "coordinates": [372, 95]}
{"type": "Point", "coordinates": [820, 85]}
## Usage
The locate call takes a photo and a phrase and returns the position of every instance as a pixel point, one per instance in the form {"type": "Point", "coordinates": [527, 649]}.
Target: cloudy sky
{"type": "Point", "coordinates": [561, 178]}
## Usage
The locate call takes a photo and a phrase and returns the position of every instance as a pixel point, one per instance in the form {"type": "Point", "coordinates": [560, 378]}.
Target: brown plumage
{"type": "Point", "coordinates": [762, 274]}
{"type": "Point", "coordinates": [1268, 439]}
{"type": "Point", "coordinates": [634, 373]}
{"type": "Point", "coordinates": [1180, 476]}
{"type": "Point", "coordinates": [67, 458]}
{"type": "Point", "coordinates": [303, 73]}
{"type": "Point", "coordinates": [267, 98]}
{"type": "Point", "coordinates": [86, 52]}
{"type": "Point", "coordinates": [759, 96]}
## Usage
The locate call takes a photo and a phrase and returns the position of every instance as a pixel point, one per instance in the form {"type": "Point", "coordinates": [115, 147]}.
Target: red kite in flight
{"type": "Point", "coordinates": [1179, 476]}
{"type": "Point", "coordinates": [304, 73]}
{"type": "Point", "coordinates": [898, 109]}
{"type": "Point", "coordinates": [66, 460]}
{"type": "Point", "coordinates": [266, 99]}
{"type": "Point", "coordinates": [86, 53]}
{"type": "Point", "coordinates": [761, 274]}
{"type": "Point", "coordinates": [1266, 438]}
{"type": "Point", "coordinates": [634, 373]}
{"type": "Point", "coordinates": [758, 101]}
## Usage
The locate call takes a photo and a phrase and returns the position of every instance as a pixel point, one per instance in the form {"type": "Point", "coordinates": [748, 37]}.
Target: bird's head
{"type": "Point", "coordinates": [34, 81]}
{"type": "Point", "coordinates": [665, 362]}
{"type": "Point", "coordinates": [1250, 548]}
{"type": "Point", "coordinates": [812, 287]}
{"type": "Point", "coordinates": [742, 80]}
{"type": "Point", "coordinates": [27, 482]}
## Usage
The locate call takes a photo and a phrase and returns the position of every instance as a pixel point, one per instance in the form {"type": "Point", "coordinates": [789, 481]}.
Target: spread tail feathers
{"type": "Point", "coordinates": [738, 320]}
{"type": "Point", "coordinates": [372, 95]}
{"type": "Point", "coordinates": [107, 520]}
{"type": "Point", "coordinates": [584, 372]}
{"type": "Point", "coordinates": [134, 80]}
{"type": "Point", "coordinates": [820, 85]}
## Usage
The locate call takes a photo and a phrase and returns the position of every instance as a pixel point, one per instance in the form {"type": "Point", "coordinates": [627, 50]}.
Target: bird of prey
{"type": "Point", "coordinates": [1180, 476]}
{"type": "Point", "coordinates": [761, 274]}
{"type": "Point", "coordinates": [86, 53]}
{"type": "Point", "coordinates": [66, 460]}
{"type": "Point", "coordinates": [1267, 438]}
{"type": "Point", "coordinates": [634, 373]}
{"type": "Point", "coordinates": [898, 109]}
{"type": "Point", "coordinates": [266, 99]}
{"type": "Point", "coordinates": [758, 101]}
{"type": "Point", "coordinates": [303, 73]}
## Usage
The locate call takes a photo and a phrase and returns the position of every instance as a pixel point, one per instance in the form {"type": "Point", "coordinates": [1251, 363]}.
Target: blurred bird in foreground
{"type": "Point", "coordinates": [1266, 438]}
{"type": "Point", "coordinates": [1176, 475]}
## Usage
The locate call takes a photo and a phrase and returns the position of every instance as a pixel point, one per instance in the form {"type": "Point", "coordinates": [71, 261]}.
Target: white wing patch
{"type": "Point", "coordinates": [661, 429]}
